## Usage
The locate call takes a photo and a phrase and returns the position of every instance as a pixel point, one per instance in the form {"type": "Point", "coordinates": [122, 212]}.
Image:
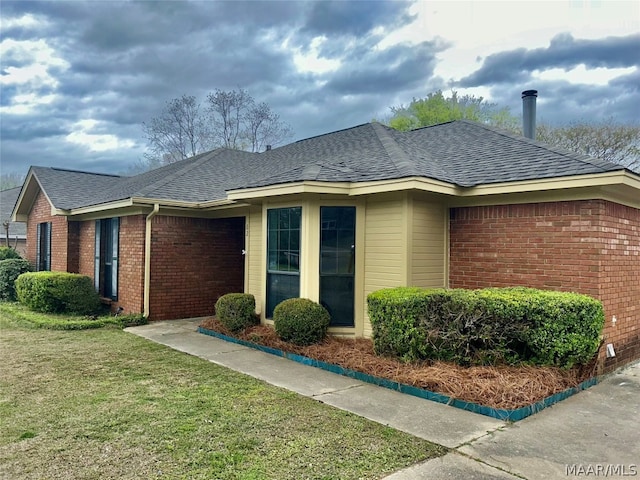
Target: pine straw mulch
{"type": "Point", "coordinates": [501, 387]}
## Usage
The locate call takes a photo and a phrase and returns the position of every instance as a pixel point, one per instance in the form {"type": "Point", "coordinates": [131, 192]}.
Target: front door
{"type": "Point", "coordinates": [337, 263]}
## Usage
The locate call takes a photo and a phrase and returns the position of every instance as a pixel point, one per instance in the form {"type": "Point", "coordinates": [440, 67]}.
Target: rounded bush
{"type": "Point", "coordinates": [301, 321]}
{"type": "Point", "coordinates": [236, 311]}
{"type": "Point", "coordinates": [57, 292]}
{"type": "Point", "coordinates": [10, 270]}
{"type": "Point", "coordinates": [7, 253]}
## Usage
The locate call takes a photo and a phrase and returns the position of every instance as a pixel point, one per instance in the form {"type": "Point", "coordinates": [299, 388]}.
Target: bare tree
{"type": "Point", "coordinates": [242, 124]}
{"type": "Point", "coordinates": [179, 132]}
{"type": "Point", "coordinates": [608, 140]}
{"type": "Point", "coordinates": [227, 112]}
{"type": "Point", "coordinates": [10, 180]}
{"type": "Point", "coordinates": [229, 119]}
{"type": "Point", "coordinates": [265, 128]}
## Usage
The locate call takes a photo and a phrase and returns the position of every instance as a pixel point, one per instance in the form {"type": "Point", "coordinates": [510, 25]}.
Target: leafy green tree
{"type": "Point", "coordinates": [437, 108]}
{"type": "Point", "coordinates": [609, 140]}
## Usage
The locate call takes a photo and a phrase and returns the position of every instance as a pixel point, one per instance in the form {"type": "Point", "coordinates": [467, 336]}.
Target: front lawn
{"type": "Point", "coordinates": [102, 403]}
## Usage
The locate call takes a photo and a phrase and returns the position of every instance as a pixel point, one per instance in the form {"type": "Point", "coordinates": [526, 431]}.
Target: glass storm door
{"type": "Point", "coordinates": [337, 263]}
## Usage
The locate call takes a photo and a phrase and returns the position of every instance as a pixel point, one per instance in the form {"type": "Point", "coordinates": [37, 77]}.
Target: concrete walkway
{"type": "Point", "coordinates": [597, 430]}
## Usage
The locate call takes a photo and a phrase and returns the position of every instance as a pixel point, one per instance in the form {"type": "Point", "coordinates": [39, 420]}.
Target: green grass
{"type": "Point", "coordinates": [22, 315]}
{"type": "Point", "coordinates": [103, 403]}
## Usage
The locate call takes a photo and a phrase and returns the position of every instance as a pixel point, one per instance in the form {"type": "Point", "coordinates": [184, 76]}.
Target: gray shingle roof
{"type": "Point", "coordinates": [8, 200]}
{"type": "Point", "coordinates": [462, 153]}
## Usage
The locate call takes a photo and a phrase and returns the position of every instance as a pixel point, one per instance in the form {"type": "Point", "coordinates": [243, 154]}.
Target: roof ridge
{"type": "Point", "coordinates": [84, 172]}
{"type": "Point", "coordinates": [393, 150]}
{"type": "Point", "coordinates": [320, 135]}
{"type": "Point", "coordinates": [195, 162]}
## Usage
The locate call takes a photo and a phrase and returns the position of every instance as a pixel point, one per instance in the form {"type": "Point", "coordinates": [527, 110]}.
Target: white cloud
{"type": "Point", "coordinates": [311, 62]}
{"type": "Point", "coordinates": [83, 135]}
{"type": "Point", "coordinates": [32, 78]}
{"type": "Point", "coordinates": [478, 29]}
{"type": "Point", "coordinates": [25, 21]}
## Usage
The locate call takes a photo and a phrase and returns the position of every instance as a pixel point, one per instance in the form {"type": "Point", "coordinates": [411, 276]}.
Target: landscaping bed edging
{"type": "Point", "coordinates": [513, 415]}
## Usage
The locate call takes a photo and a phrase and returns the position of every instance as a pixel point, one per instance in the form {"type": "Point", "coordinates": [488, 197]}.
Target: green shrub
{"type": "Point", "coordinates": [486, 327]}
{"type": "Point", "coordinates": [7, 252]}
{"type": "Point", "coordinates": [10, 270]}
{"type": "Point", "coordinates": [566, 328]}
{"type": "Point", "coordinates": [57, 292]}
{"type": "Point", "coordinates": [236, 311]}
{"type": "Point", "coordinates": [130, 320]}
{"type": "Point", "coordinates": [301, 321]}
{"type": "Point", "coordinates": [395, 317]}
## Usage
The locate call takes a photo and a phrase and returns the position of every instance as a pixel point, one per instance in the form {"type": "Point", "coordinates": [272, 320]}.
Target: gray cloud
{"type": "Point", "coordinates": [563, 52]}
{"type": "Point", "coordinates": [126, 59]}
{"type": "Point", "coordinates": [333, 17]}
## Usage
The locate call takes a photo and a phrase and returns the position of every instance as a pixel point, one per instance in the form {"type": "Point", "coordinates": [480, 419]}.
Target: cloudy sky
{"type": "Point", "coordinates": [78, 78]}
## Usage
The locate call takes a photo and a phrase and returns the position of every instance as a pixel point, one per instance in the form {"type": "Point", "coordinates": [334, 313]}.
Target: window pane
{"type": "Point", "coordinates": [281, 287]}
{"type": "Point", "coordinates": [283, 239]}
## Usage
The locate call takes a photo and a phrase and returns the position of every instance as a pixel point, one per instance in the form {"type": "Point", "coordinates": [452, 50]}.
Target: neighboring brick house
{"type": "Point", "coordinates": [338, 216]}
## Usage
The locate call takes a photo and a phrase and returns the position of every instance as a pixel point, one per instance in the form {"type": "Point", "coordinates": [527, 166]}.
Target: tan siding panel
{"type": "Point", "coordinates": [384, 244]}
{"type": "Point", "coordinates": [429, 247]}
{"type": "Point", "coordinates": [255, 254]}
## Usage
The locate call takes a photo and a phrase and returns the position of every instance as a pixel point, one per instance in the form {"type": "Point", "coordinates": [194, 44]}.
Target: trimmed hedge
{"type": "Point", "coordinates": [301, 321]}
{"type": "Point", "coordinates": [57, 292]}
{"type": "Point", "coordinates": [10, 270]}
{"type": "Point", "coordinates": [7, 252]}
{"type": "Point", "coordinates": [486, 327]}
{"type": "Point", "coordinates": [236, 311]}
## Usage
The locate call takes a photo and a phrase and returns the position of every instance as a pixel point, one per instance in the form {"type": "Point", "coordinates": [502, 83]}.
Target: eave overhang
{"type": "Point", "coordinates": [27, 197]}
{"type": "Point", "coordinates": [620, 186]}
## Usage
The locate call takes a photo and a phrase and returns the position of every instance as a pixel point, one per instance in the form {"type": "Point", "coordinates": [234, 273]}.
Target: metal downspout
{"type": "Point", "coordinates": [147, 258]}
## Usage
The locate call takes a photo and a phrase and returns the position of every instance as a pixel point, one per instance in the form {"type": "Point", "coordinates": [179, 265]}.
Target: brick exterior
{"type": "Point", "coordinates": [131, 264]}
{"type": "Point", "coordinates": [130, 260]}
{"type": "Point", "coordinates": [590, 247]}
{"type": "Point", "coordinates": [62, 258]}
{"type": "Point", "coordinates": [194, 262]}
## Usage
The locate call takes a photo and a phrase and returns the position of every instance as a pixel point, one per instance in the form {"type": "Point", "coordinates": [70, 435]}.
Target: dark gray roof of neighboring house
{"type": "Point", "coordinates": [461, 152]}
{"type": "Point", "coordinates": [8, 200]}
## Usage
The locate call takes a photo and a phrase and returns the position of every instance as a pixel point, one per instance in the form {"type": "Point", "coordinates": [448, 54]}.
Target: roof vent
{"type": "Point", "coordinates": [529, 113]}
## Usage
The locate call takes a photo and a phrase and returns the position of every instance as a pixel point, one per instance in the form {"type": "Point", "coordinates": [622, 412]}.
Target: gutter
{"type": "Point", "coordinates": [147, 258]}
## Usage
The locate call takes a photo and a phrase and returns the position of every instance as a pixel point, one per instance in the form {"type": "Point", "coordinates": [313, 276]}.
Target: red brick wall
{"type": "Point", "coordinates": [620, 281]}
{"type": "Point", "coordinates": [590, 247]}
{"type": "Point", "coordinates": [130, 260]}
{"type": "Point", "coordinates": [86, 250]}
{"type": "Point", "coordinates": [41, 212]}
{"type": "Point", "coordinates": [194, 262]}
{"type": "Point", "coordinates": [131, 264]}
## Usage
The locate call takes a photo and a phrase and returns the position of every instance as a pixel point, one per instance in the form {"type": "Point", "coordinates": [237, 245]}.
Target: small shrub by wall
{"type": "Point", "coordinates": [237, 311]}
{"type": "Point", "coordinates": [486, 327]}
{"type": "Point", "coordinates": [301, 321]}
{"type": "Point", "coordinates": [7, 253]}
{"type": "Point", "coordinates": [57, 292]}
{"type": "Point", "coordinates": [10, 270]}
